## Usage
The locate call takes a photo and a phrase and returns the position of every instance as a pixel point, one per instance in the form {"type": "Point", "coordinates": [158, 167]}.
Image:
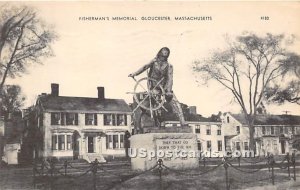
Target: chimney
{"type": "Point", "coordinates": [54, 89]}
{"type": "Point", "coordinates": [101, 95]}
{"type": "Point", "coordinates": [192, 110]}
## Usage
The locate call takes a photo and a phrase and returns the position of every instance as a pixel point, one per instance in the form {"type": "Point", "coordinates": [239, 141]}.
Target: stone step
{"type": "Point", "coordinates": [92, 157]}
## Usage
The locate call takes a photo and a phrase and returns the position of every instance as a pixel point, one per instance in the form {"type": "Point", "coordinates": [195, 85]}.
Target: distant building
{"type": "Point", "coordinates": [276, 134]}
{"type": "Point", "coordinates": [78, 127]}
{"type": "Point", "coordinates": [192, 109]}
{"type": "Point", "coordinates": [210, 134]}
{"type": "Point", "coordinates": [11, 138]}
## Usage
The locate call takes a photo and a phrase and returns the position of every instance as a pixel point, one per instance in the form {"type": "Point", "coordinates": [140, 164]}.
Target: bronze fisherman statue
{"type": "Point", "coordinates": [161, 70]}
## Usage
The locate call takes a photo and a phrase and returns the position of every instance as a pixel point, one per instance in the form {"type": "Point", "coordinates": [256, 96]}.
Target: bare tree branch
{"type": "Point", "coordinates": [247, 71]}
{"type": "Point", "coordinates": [24, 39]}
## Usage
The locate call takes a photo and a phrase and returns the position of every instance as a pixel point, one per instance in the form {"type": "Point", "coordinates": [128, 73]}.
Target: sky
{"type": "Point", "coordinates": [89, 54]}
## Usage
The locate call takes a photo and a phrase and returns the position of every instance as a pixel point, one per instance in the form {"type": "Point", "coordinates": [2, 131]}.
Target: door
{"type": "Point", "coordinates": [282, 147]}
{"type": "Point", "coordinates": [75, 149]}
{"type": "Point", "coordinates": [90, 144]}
{"type": "Point", "coordinates": [76, 140]}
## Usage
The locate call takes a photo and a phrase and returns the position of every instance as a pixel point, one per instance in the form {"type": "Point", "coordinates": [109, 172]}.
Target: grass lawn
{"type": "Point", "coordinates": [118, 175]}
{"type": "Point", "coordinates": [123, 178]}
{"type": "Point", "coordinates": [16, 178]}
{"type": "Point", "coordinates": [211, 180]}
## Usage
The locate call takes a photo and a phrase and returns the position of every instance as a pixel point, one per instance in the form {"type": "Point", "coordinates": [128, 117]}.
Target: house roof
{"type": "Point", "coordinates": [188, 118]}
{"type": "Point", "coordinates": [270, 119]}
{"type": "Point", "coordinates": [67, 103]}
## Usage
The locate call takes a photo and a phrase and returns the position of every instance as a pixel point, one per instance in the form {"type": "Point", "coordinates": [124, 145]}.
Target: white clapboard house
{"type": "Point", "coordinates": [78, 127]}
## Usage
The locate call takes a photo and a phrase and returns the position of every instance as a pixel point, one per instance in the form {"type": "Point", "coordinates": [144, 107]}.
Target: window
{"type": "Point", "coordinates": [121, 141]}
{"type": "Point", "coordinates": [263, 128]}
{"type": "Point", "coordinates": [55, 118]}
{"type": "Point", "coordinates": [121, 119]}
{"type": "Point", "coordinates": [219, 130]}
{"type": "Point", "coordinates": [293, 130]}
{"type": "Point", "coordinates": [276, 130]}
{"type": "Point", "coordinates": [108, 119]}
{"type": "Point", "coordinates": [58, 142]}
{"type": "Point", "coordinates": [61, 142]}
{"type": "Point", "coordinates": [197, 129]}
{"type": "Point", "coordinates": [219, 145]}
{"type": "Point", "coordinates": [64, 119]}
{"type": "Point", "coordinates": [281, 129]}
{"type": "Point", "coordinates": [227, 119]}
{"type": "Point", "coordinates": [91, 119]}
{"type": "Point", "coordinates": [70, 118]}
{"type": "Point", "coordinates": [69, 142]}
{"type": "Point", "coordinates": [286, 130]}
{"type": "Point", "coordinates": [238, 145]}
{"type": "Point", "coordinates": [54, 142]}
{"type": "Point", "coordinates": [246, 146]}
{"type": "Point", "coordinates": [268, 143]}
{"type": "Point", "coordinates": [238, 129]}
{"type": "Point", "coordinates": [275, 145]}
{"type": "Point", "coordinates": [109, 141]}
{"type": "Point", "coordinates": [115, 141]}
{"type": "Point", "coordinates": [115, 119]}
{"type": "Point", "coordinates": [272, 130]}
{"type": "Point", "coordinates": [208, 129]}
{"type": "Point", "coordinates": [199, 145]}
{"type": "Point", "coordinates": [208, 145]}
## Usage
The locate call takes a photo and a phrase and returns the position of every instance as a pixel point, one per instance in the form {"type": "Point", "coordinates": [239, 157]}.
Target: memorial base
{"type": "Point", "coordinates": [144, 145]}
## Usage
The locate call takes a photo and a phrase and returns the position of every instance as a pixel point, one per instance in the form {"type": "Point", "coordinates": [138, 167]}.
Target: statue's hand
{"type": "Point", "coordinates": [131, 75]}
{"type": "Point", "coordinates": [169, 96]}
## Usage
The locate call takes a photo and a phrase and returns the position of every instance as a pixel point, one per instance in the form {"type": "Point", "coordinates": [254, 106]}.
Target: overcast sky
{"type": "Point", "coordinates": [102, 53]}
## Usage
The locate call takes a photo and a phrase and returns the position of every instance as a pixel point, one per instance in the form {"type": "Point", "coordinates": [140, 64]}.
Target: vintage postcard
{"type": "Point", "coordinates": [149, 95]}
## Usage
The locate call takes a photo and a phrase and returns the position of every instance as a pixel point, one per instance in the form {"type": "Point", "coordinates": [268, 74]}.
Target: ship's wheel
{"type": "Point", "coordinates": [149, 94]}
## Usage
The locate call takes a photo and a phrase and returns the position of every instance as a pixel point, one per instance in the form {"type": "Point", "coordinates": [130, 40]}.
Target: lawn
{"type": "Point", "coordinates": [118, 175]}
{"type": "Point", "coordinates": [122, 177]}
{"type": "Point", "coordinates": [212, 180]}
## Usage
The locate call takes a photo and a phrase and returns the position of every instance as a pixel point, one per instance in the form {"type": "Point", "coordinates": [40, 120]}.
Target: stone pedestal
{"type": "Point", "coordinates": [170, 147]}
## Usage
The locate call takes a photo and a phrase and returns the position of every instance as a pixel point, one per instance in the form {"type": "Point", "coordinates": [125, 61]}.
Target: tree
{"type": "Point", "coordinates": [24, 40]}
{"type": "Point", "coordinates": [12, 99]}
{"type": "Point", "coordinates": [247, 67]}
{"type": "Point", "coordinates": [279, 95]}
{"type": "Point", "coordinates": [291, 91]}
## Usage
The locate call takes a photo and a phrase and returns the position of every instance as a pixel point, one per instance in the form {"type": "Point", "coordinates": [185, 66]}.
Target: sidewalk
{"type": "Point", "coordinates": [290, 185]}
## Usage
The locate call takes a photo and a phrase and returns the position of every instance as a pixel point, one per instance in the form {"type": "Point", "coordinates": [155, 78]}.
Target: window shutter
{"type": "Point", "coordinates": [95, 119]}
{"type": "Point", "coordinates": [125, 119]}
{"type": "Point", "coordinates": [107, 142]}
{"type": "Point", "coordinates": [86, 119]}
{"type": "Point", "coordinates": [62, 118]}
{"type": "Point", "coordinates": [52, 118]}
{"type": "Point", "coordinates": [53, 142]}
{"type": "Point", "coordinates": [114, 119]}
{"type": "Point", "coordinates": [76, 118]}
